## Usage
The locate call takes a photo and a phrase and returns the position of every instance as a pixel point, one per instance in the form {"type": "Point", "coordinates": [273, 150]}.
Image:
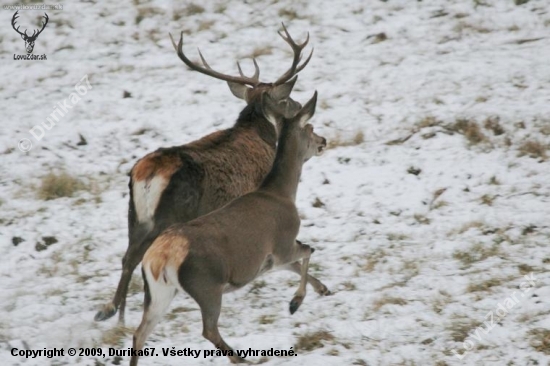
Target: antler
{"type": "Point", "coordinates": [43, 26]}
{"type": "Point", "coordinates": [13, 19]}
{"type": "Point", "coordinates": [34, 34]}
{"type": "Point", "coordinates": [297, 49]}
{"type": "Point", "coordinates": [207, 70]}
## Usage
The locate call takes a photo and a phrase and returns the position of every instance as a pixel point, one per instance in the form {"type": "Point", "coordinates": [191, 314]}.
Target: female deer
{"type": "Point", "coordinates": [228, 248]}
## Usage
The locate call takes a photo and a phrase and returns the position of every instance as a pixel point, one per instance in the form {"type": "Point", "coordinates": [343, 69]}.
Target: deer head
{"type": "Point", "coordinates": [29, 40]}
{"type": "Point", "coordinates": [310, 144]}
{"type": "Point", "coordinates": [250, 88]}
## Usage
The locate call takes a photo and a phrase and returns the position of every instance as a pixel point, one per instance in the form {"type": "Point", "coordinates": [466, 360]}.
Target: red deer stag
{"type": "Point", "coordinates": [181, 183]}
{"type": "Point", "coordinates": [228, 248]}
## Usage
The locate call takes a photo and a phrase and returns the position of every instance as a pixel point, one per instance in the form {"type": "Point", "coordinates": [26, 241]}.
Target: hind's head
{"type": "Point", "coordinates": [297, 128]}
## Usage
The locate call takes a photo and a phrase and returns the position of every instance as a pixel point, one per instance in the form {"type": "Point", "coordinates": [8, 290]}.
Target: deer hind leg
{"type": "Point", "coordinates": [318, 286]}
{"type": "Point", "coordinates": [209, 298]}
{"type": "Point", "coordinates": [268, 264]}
{"type": "Point", "coordinates": [140, 240]}
{"type": "Point", "coordinates": [158, 296]}
{"type": "Point", "coordinates": [303, 251]}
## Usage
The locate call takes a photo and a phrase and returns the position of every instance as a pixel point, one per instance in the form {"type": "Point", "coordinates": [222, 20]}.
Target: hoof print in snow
{"type": "Point", "coordinates": [377, 38]}
{"type": "Point", "coordinates": [414, 171]}
{"type": "Point", "coordinates": [16, 240]}
{"type": "Point", "coordinates": [342, 160]}
{"type": "Point", "coordinates": [318, 203]}
{"type": "Point", "coordinates": [47, 241]}
{"type": "Point", "coordinates": [82, 141]}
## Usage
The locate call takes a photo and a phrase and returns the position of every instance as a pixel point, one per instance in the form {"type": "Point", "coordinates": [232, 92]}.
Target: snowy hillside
{"type": "Point", "coordinates": [428, 210]}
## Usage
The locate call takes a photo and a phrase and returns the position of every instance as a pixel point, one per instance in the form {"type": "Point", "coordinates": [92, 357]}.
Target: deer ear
{"type": "Point", "coordinates": [268, 105]}
{"type": "Point", "coordinates": [238, 90]}
{"type": "Point", "coordinates": [22, 36]}
{"type": "Point", "coordinates": [307, 111]}
{"type": "Point", "coordinates": [283, 91]}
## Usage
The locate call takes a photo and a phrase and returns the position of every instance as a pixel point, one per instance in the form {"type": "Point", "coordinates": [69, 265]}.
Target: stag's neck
{"type": "Point", "coordinates": [285, 175]}
{"type": "Point", "coordinates": [251, 118]}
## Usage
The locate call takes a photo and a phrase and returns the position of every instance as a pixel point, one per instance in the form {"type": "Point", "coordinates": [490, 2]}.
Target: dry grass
{"type": "Point", "coordinates": [116, 336]}
{"type": "Point", "coordinates": [189, 10]}
{"type": "Point", "coordinates": [338, 141]}
{"type": "Point", "coordinates": [470, 129]}
{"type": "Point", "coordinates": [534, 149]}
{"type": "Point", "coordinates": [478, 252]}
{"type": "Point", "coordinates": [396, 236]}
{"type": "Point", "coordinates": [147, 12]}
{"type": "Point", "coordinates": [428, 121]}
{"type": "Point", "coordinates": [494, 181]}
{"type": "Point", "coordinates": [136, 285]}
{"type": "Point", "coordinates": [257, 286]}
{"type": "Point", "coordinates": [348, 286]}
{"type": "Point", "coordinates": [388, 300]}
{"type": "Point", "coordinates": [193, 9]}
{"type": "Point", "coordinates": [493, 124]}
{"type": "Point", "coordinates": [525, 269]}
{"type": "Point", "coordinates": [59, 185]}
{"type": "Point", "coordinates": [261, 51]}
{"type": "Point", "coordinates": [487, 199]}
{"type": "Point", "coordinates": [421, 219]}
{"type": "Point", "coordinates": [470, 225]}
{"type": "Point", "coordinates": [313, 340]}
{"type": "Point", "coordinates": [540, 340]}
{"type": "Point", "coordinates": [373, 259]}
{"type": "Point", "coordinates": [462, 26]}
{"type": "Point", "coordinates": [484, 286]}
{"type": "Point", "coordinates": [266, 319]}
{"type": "Point", "coordinates": [440, 301]}
{"type": "Point", "coordinates": [205, 25]}
{"type": "Point", "coordinates": [318, 203]}
{"type": "Point", "coordinates": [461, 328]}
{"type": "Point", "coordinates": [289, 14]}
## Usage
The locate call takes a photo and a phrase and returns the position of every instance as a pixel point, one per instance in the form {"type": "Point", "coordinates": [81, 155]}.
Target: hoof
{"type": "Point", "coordinates": [108, 311]}
{"type": "Point", "coordinates": [324, 291]}
{"type": "Point", "coordinates": [295, 304]}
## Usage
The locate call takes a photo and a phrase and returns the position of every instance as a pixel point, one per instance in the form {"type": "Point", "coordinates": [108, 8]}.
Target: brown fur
{"type": "Point", "coordinates": [231, 246]}
{"type": "Point", "coordinates": [168, 250]}
{"type": "Point", "coordinates": [153, 164]}
{"type": "Point", "coordinates": [206, 174]}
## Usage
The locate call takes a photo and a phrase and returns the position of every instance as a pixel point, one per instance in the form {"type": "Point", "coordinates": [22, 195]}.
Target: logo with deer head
{"type": "Point", "coordinates": [29, 40]}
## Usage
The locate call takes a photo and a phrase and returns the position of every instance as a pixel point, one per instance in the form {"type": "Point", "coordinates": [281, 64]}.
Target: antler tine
{"type": "Point", "coordinates": [297, 50]}
{"type": "Point", "coordinates": [256, 70]}
{"type": "Point", "coordinates": [43, 25]}
{"type": "Point", "coordinates": [13, 21]}
{"type": "Point", "coordinates": [207, 70]}
{"type": "Point", "coordinates": [203, 60]}
{"type": "Point", "coordinates": [304, 64]}
{"type": "Point", "coordinates": [256, 75]}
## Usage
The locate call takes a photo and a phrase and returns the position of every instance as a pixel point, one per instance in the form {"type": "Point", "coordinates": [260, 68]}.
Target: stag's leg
{"type": "Point", "coordinates": [158, 297]}
{"type": "Point", "coordinates": [132, 257]}
{"type": "Point", "coordinates": [209, 298]}
{"type": "Point", "coordinates": [318, 286]}
{"type": "Point", "coordinates": [128, 268]}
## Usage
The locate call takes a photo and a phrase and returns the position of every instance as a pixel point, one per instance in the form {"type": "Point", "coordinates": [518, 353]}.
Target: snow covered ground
{"type": "Point", "coordinates": [427, 212]}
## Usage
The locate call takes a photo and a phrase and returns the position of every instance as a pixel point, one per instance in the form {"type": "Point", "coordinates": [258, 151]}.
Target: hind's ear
{"type": "Point", "coordinates": [283, 91]}
{"type": "Point", "coordinates": [239, 90]}
{"type": "Point", "coordinates": [308, 110]}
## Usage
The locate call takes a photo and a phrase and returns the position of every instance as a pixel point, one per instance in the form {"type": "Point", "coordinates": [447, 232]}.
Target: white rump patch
{"type": "Point", "coordinates": [146, 196]}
